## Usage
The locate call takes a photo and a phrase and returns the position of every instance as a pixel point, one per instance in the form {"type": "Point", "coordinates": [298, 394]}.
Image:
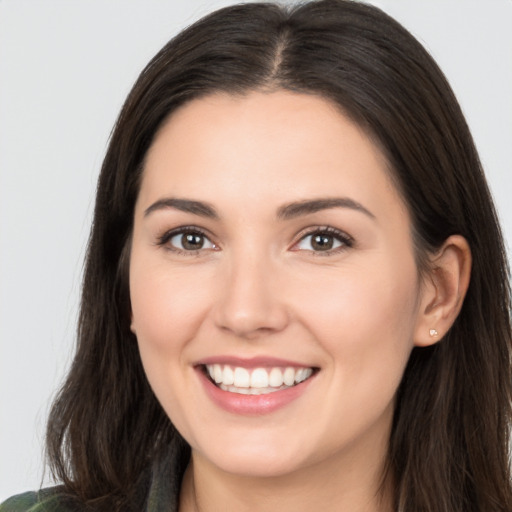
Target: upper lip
{"type": "Point", "coordinates": [252, 362]}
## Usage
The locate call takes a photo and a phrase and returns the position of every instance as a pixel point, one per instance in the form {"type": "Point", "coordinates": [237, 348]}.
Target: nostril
{"type": "Point", "coordinates": [251, 322]}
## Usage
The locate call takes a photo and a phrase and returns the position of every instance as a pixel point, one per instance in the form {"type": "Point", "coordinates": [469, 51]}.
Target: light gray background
{"type": "Point", "coordinates": [65, 68]}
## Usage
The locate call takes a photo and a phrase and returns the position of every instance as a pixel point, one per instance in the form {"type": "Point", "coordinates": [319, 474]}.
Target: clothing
{"type": "Point", "coordinates": [158, 493]}
{"type": "Point", "coordinates": [45, 500]}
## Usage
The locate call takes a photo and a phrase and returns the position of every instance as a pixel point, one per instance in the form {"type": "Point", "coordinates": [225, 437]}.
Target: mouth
{"type": "Point", "coordinates": [256, 381]}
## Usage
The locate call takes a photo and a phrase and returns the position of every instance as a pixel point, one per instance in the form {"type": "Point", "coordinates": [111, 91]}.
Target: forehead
{"type": "Point", "coordinates": [276, 147]}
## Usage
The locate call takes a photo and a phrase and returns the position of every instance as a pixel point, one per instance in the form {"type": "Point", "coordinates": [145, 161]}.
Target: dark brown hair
{"type": "Point", "coordinates": [449, 443]}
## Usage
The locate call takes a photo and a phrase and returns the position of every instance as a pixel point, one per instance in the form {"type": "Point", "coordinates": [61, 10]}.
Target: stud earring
{"type": "Point", "coordinates": [433, 333]}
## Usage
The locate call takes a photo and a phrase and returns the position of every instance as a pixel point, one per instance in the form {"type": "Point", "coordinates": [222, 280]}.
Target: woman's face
{"type": "Point", "coordinates": [272, 251]}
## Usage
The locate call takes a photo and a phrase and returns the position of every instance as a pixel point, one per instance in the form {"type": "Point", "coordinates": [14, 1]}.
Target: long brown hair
{"type": "Point", "coordinates": [450, 437]}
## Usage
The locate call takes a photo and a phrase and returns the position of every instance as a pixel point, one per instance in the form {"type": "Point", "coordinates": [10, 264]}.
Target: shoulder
{"type": "Point", "coordinates": [46, 500]}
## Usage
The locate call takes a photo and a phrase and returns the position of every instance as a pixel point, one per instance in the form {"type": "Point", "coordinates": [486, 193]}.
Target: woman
{"type": "Point", "coordinates": [288, 298]}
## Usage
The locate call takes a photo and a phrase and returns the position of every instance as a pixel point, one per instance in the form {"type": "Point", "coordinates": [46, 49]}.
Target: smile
{"type": "Point", "coordinates": [258, 381]}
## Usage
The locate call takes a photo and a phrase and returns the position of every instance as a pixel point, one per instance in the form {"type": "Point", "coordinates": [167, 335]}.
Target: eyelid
{"type": "Point", "coordinates": [346, 240]}
{"type": "Point", "coordinates": [163, 239]}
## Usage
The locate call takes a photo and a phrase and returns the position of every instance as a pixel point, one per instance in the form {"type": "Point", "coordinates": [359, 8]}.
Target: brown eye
{"type": "Point", "coordinates": [190, 241]}
{"type": "Point", "coordinates": [324, 240]}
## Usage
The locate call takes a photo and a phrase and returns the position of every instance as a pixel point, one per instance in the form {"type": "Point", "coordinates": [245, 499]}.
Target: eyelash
{"type": "Point", "coordinates": [345, 240]}
{"type": "Point", "coordinates": [164, 240]}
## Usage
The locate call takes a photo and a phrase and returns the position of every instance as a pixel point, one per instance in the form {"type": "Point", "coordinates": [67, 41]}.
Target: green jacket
{"type": "Point", "coordinates": [45, 500]}
{"type": "Point", "coordinates": [159, 491]}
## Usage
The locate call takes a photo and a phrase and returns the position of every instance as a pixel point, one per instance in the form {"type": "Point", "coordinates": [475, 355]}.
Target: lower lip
{"type": "Point", "coordinates": [252, 404]}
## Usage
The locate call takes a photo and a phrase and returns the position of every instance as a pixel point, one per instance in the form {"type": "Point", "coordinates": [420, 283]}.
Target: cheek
{"type": "Point", "coordinates": [167, 306]}
{"type": "Point", "coordinates": [364, 315]}
{"type": "Point", "coordinates": [167, 310]}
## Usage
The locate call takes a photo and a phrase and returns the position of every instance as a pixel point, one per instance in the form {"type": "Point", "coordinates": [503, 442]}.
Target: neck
{"type": "Point", "coordinates": [350, 484]}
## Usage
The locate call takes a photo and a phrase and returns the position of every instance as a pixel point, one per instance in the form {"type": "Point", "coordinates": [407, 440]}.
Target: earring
{"type": "Point", "coordinates": [433, 333]}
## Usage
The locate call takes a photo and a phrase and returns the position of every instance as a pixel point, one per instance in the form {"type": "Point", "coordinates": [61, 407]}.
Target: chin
{"type": "Point", "coordinates": [256, 459]}
{"type": "Point", "coordinates": [259, 467]}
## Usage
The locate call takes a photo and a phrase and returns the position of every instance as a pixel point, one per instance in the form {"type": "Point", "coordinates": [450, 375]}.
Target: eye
{"type": "Point", "coordinates": [190, 241]}
{"type": "Point", "coordinates": [186, 240]}
{"type": "Point", "coordinates": [324, 240]}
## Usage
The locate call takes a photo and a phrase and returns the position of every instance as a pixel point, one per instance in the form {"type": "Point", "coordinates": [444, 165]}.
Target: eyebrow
{"type": "Point", "coordinates": [185, 205]}
{"type": "Point", "coordinates": [286, 212]}
{"type": "Point", "coordinates": [307, 207]}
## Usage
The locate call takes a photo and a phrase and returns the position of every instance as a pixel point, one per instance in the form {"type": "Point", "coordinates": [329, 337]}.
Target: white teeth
{"type": "Point", "coordinates": [257, 381]}
{"type": "Point", "coordinates": [275, 378]}
{"type": "Point", "coordinates": [250, 391]}
{"type": "Point", "coordinates": [217, 373]}
{"type": "Point", "coordinates": [289, 376]}
{"type": "Point", "coordinates": [228, 376]}
{"type": "Point", "coordinates": [259, 378]}
{"type": "Point", "coordinates": [242, 378]}
{"type": "Point", "coordinates": [303, 374]}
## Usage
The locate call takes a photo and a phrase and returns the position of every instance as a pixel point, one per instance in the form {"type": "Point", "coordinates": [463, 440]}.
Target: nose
{"type": "Point", "coordinates": [251, 302]}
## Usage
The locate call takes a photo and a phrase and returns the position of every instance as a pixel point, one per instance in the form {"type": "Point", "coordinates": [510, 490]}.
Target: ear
{"type": "Point", "coordinates": [443, 291]}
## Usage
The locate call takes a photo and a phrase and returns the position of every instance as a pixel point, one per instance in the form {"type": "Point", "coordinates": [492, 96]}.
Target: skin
{"type": "Point", "coordinates": [258, 287]}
